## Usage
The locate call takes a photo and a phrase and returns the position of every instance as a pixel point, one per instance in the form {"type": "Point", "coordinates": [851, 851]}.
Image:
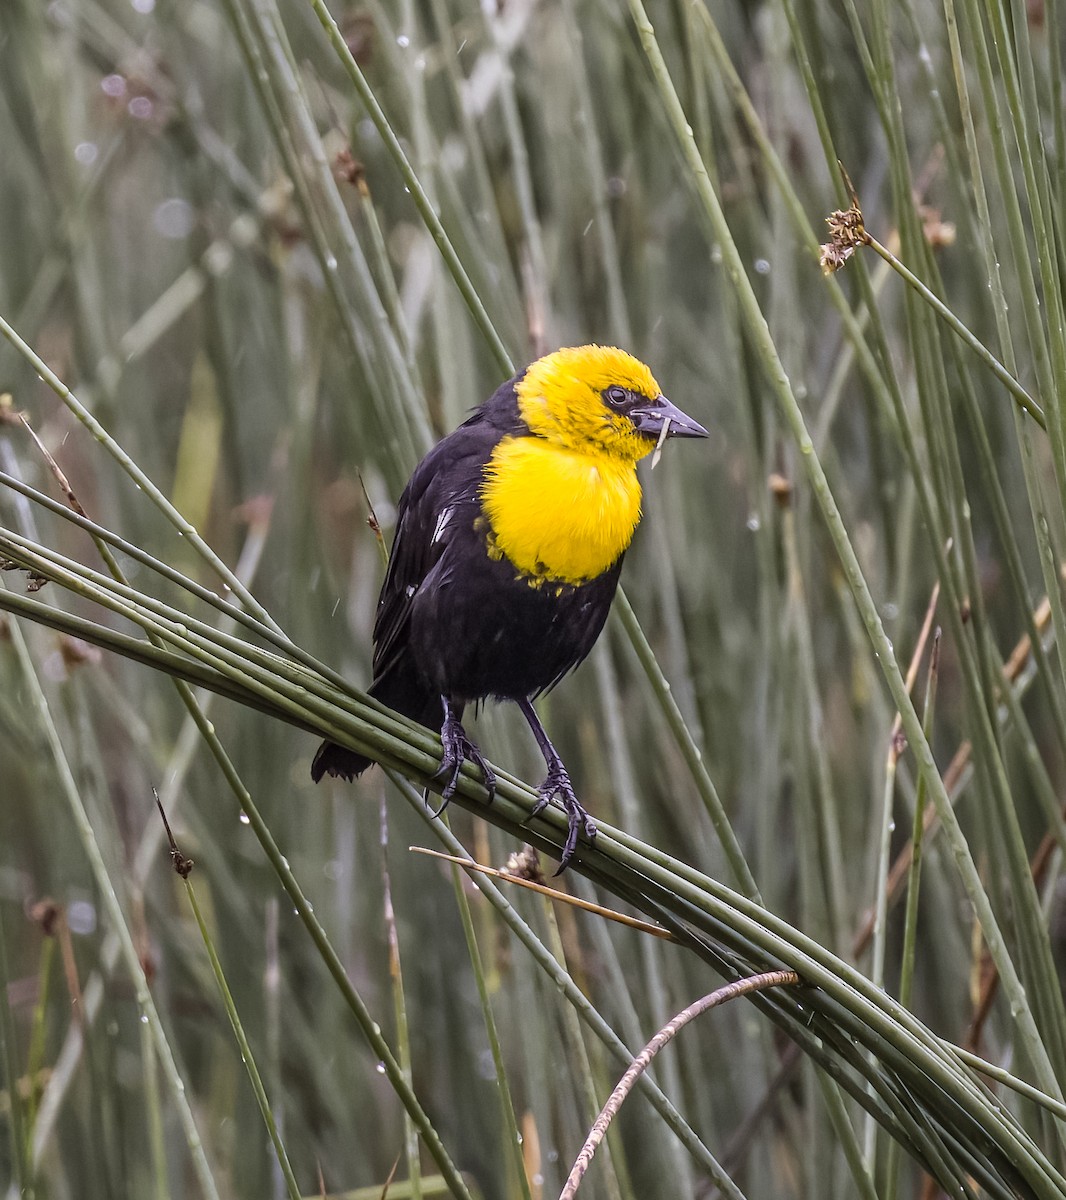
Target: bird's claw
{"type": "Point", "coordinates": [459, 748]}
{"type": "Point", "coordinates": [578, 821]}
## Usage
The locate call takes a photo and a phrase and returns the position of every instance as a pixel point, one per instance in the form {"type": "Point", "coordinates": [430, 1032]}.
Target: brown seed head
{"type": "Point", "coordinates": [46, 913]}
{"type": "Point", "coordinates": [525, 864]}
{"type": "Point", "coordinates": [780, 489]}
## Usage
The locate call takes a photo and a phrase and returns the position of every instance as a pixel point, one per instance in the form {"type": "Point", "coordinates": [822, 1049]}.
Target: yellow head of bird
{"type": "Point", "coordinates": [599, 399]}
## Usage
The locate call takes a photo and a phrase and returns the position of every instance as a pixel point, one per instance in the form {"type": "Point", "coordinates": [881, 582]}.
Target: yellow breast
{"type": "Point", "coordinates": [558, 514]}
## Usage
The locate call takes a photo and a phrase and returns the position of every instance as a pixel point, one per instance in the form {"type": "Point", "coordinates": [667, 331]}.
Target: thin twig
{"type": "Point", "coordinates": [182, 865]}
{"type": "Point", "coordinates": [55, 468]}
{"type": "Point", "coordinates": [741, 987]}
{"type": "Point", "coordinates": [847, 232]}
{"type": "Point", "coordinates": [553, 893]}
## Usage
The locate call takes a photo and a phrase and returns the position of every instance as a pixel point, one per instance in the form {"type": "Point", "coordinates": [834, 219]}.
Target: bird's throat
{"type": "Point", "coordinates": [556, 514]}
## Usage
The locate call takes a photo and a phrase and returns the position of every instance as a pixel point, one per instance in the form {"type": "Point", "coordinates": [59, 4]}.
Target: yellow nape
{"type": "Point", "coordinates": [560, 398]}
{"type": "Point", "coordinates": [560, 515]}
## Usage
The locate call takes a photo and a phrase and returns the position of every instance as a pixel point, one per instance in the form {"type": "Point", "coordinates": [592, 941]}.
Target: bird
{"type": "Point", "coordinates": [509, 542]}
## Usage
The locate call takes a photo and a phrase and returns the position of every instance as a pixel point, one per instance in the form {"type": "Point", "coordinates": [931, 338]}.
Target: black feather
{"type": "Point", "coordinates": [454, 621]}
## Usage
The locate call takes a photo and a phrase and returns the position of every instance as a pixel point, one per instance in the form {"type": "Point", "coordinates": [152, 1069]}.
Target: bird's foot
{"type": "Point", "coordinates": [578, 821]}
{"type": "Point", "coordinates": [458, 748]}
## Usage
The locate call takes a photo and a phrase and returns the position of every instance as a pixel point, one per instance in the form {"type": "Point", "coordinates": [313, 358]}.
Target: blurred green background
{"type": "Point", "coordinates": [204, 235]}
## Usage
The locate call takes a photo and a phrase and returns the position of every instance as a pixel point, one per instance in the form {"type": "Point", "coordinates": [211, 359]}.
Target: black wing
{"type": "Point", "coordinates": [442, 492]}
{"type": "Point", "coordinates": [444, 487]}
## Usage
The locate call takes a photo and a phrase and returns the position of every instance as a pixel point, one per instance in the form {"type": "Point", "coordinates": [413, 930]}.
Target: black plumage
{"type": "Point", "coordinates": [455, 622]}
{"type": "Point", "coordinates": [458, 621]}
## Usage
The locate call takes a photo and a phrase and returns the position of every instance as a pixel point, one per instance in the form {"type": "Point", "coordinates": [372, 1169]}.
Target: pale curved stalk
{"type": "Point", "coordinates": [643, 1060]}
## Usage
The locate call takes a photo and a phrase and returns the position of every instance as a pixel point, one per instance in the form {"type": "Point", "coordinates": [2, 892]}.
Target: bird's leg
{"type": "Point", "coordinates": [458, 747]}
{"type": "Point", "coordinates": [558, 784]}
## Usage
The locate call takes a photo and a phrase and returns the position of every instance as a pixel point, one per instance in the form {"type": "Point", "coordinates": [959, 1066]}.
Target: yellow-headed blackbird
{"type": "Point", "coordinates": [509, 540]}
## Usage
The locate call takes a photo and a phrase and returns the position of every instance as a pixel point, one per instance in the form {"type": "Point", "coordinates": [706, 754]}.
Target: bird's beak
{"type": "Point", "coordinates": [650, 419]}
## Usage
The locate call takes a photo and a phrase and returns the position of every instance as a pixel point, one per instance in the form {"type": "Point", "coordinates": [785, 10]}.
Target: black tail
{"type": "Point", "coordinates": [403, 690]}
{"type": "Point", "coordinates": [334, 760]}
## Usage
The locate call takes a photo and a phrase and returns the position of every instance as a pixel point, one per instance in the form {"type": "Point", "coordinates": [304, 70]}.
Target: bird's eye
{"type": "Point", "coordinates": [616, 396]}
